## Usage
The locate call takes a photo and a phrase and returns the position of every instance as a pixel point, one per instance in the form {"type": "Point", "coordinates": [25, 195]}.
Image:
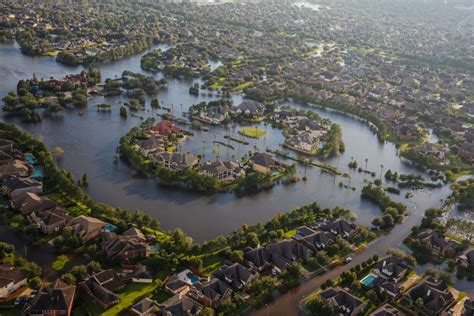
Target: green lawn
{"type": "Point", "coordinates": [290, 233]}
{"type": "Point", "coordinates": [60, 263]}
{"type": "Point", "coordinates": [131, 294]}
{"type": "Point", "coordinates": [211, 263]}
{"type": "Point", "coordinates": [253, 132]}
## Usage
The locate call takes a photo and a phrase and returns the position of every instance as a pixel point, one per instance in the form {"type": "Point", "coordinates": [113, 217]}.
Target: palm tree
{"type": "Point", "coordinates": [381, 170]}
{"type": "Point", "coordinates": [366, 162]}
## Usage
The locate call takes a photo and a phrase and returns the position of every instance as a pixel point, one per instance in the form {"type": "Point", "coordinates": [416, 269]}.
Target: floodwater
{"type": "Point", "coordinates": [89, 143]}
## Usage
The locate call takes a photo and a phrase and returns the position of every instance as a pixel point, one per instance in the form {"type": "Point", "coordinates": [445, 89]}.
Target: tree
{"type": "Point", "coordinates": [316, 306]}
{"type": "Point", "coordinates": [79, 272]}
{"type": "Point", "coordinates": [262, 289]}
{"type": "Point", "coordinates": [181, 241]}
{"type": "Point", "coordinates": [236, 256]}
{"type": "Point", "coordinates": [69, 278]}
{"type": "Point", "coordinates": [291, 276]}
{"type": "Point", "coordinates": [31, 270]}
{"type": "Point", "coordinates": [5, 250]}
{"type": "Point", "coordinates": [34, 283]}
{"type": "Point", "coordinates": [93, 266]}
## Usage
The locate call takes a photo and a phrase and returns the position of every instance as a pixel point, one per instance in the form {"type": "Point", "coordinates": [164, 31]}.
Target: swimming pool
{"type": "Point", "coordinates": [192, 277]}
{"type": "Point", "coordinates": [110, 228]}
{"type": "Point", "coordinates": [37, 173]}
{"type": "Point", "coordinates": [368, 279]}
{"type": "Point", "coordinates": [30, 159]}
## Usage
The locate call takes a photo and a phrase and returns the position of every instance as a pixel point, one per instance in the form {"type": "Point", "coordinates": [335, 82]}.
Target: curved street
{"type": "Point", "coordinates": [288, 304]}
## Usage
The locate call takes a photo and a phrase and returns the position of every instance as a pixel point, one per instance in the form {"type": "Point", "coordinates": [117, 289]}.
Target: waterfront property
{"type": "Point", "coordinates": [343, 301]}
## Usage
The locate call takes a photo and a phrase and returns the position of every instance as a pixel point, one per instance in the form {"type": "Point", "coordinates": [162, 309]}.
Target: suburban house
{"type": "Point", "coordinates": [343, 301]}
{"type": "Point", "coordinates": [235, 276]}
{"type": "Point", "coordinates": [466, 259]}
{"type": "Point", "coordinates": [277, 256]}
{"type": "Point", "coordinates": [180, 305]}
{"type": "Point", "coordinates": [86, 227]}
{"type": "Point", "coordinates": [124, 248]}
{"type": "Point", "coordinates": [152, 144]}
{"type": "Point", "coordinates": [438, 243]}
{"type": "Point", "coordinates": [302, 232]}
{"type": "Point", "coordinates": [101, 288]}
{"type": "Point", "coordinates": [139, 274]}
{"type": "Point", "coordinates": [211, 293]}
{"type": "Point", "coordinates": [284, 253]}
{"type": "Point", "coordinates": [263, 162]}
{"type": "Point", "coordinates": [56, 300]}
{"type": "Point", "coordinates": [28, 203]}
{"type": "Point", "coordinates": [249, 107]}
{"type": "Point", "coordinates": [14, 167]}
{"type": "Point", "coordinates": [136, 234]}
{"type": "Point", "coordinates": [340, 227]}
{"type": "Point", "coordinates": [11, 279]}
{"type": "Point", "coordinates": [387, 310]}
{"type": "Point", "coordinates": [177, 160]}
{"type": "Point", "coordinates": [16, 186]}
{"type": "Point", "coordinates": [165, 128]}
{"type": "Point", "coordinates": [52, 220]}
{"type": "Point", "coordinates": [319, 240]}
{"type": "Point", "coordinates": [225, 171]}
{"type": "Point", "coordinates": [468, 308]}
{"type": "Point", "coordinates": [392, 268]}
{"type": "Point", "coordinates": [145, 307]}
{"type": "Point", "coordinates": [434, 293]}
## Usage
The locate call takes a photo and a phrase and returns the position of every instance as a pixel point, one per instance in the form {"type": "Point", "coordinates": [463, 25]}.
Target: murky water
{"type": "Point", "coordinates": [90, 141]}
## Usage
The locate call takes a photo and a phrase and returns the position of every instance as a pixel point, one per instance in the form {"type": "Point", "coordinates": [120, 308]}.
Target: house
{"type": "Point", "coordinates": [302, 232]}
{"type": "Point", "coordinates": [468, 308]}
{"type": "Point", "coordinates": [387, 310]}
{"type": "Point", "coordinates": [340, 227]}
{"type": "Point", "coordinates": [101, 287]}
{"type": "Point", "coordinates": [387, 286]}
{"type": "Point", "coordinates": [284, 253]}
{"type": "Point", "coordinates": [28, 203]}
{"type": "Point", "coordinates": [124, 248]}
{"type": "Point", "coordinates": [11, 279]}
{"type": "Point", "coordinates": [99, 294]}
{"type": "Point", "coordinates": [258, 258]}
{"type": "Point", "coordinates": [14, 167]}
{"type": "Point", "coordinates": [438, 243]}
{"type": "Point", "coordinates": [319, 240]}
{"type": "Point", "coordinates": [435, 295]}
{"type": "Point", "coordinates": [136, 234]}
{"type": "Point", "coordinates": [263, 162]}
{"type": "Point", "coordinates": [165, 128]}
{"type": "Point", "coordinates": [177, 160]}
{"type": "Point", "coordinates": [211, 293]}
{"type": "Point", "coordinates": [139, 274]}
{"type": "Point", "coordinates": [433, 150]}
{"type": "Point", "coordinates": [16, 186]}
{"type": "Point", "coordinates": [145, 307]}
{"type": "Point", "coordinates": [152, 144]}
{"type": "Point", "coordinates": [176, 285]}
{"type": "Point", "coordinates": [86, 227]}
{"type": "Point", "coordinates": [466, 259]}
{"type": "Point", "coordinates": [249, 107]}
{"type": "Point", "coordinates": [55, 300]}
{"type": "Point", "coordinates": [225, 171]}
{"type": "Point", "coordinates": [52, 220]}
{"type": "Point", "coordinates": [236, 276]}
{"type": "Point", "coordinates": [180, 305]}
{"type": "Point", "coordinates": [343, 301]}
{"type": "Point", "coordinates": [392, 268]}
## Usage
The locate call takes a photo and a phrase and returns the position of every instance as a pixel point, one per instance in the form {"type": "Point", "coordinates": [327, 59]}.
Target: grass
{"type": "Point", "coordinates": [160, 296]}
{"type": "Point", "coordinates": [243, 86]}
{"type": "Point", "coordinates": [290, 233]}
{"type": "Point", "coordinates": [132, 293]}
{"type": "Point", "coordinates": [211, 263]}
{"type": "Point", "coordinates": [253, 132]}
{"type": "Point", "coordinates": [60, 263]}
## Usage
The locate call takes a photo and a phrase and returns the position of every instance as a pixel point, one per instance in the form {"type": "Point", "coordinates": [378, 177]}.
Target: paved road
{"type": "Point", "coordinates": [288, 304]}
